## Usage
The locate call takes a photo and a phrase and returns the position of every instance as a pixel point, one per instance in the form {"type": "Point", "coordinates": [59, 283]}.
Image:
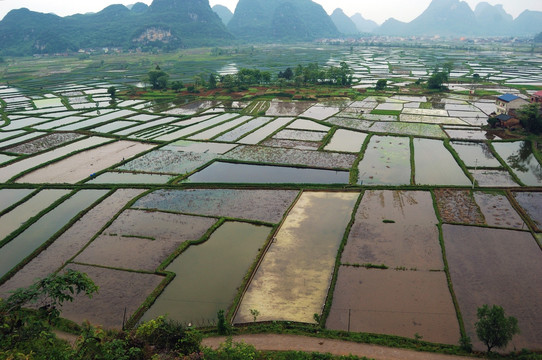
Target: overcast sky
{"type": "Point", "coordinates": [377, 10]}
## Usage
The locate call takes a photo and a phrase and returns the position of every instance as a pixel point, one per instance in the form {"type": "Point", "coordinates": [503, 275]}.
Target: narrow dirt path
{"type": "Point", "coordinates": [335, 347]}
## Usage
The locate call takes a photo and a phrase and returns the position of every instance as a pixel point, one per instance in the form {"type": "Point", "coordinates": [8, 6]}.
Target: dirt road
{"type": "Point", "coordinates": [336, 347]}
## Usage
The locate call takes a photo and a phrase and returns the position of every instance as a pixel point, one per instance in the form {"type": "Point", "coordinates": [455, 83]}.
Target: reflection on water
{"type": "Point", "coordinates": [220, 172]}
{"type": "Point", "coordinates": [519, 156]}
{"type": "Point", "coordinates": [208, 275]}
{"type": "Point", "coordinates": [229, 69]}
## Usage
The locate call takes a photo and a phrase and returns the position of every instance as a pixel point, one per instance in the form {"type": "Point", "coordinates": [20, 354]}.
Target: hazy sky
{"type": "Point", "coordinates": [377, 10]}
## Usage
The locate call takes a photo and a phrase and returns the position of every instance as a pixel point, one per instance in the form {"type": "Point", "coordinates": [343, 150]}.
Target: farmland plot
{"type": "Point", "coordinates": [239, 204]}
{"type": "Point", "coordinates": [16, 168]}
{"type": "Point", "coordinates": [435, 165]}
{"type": "Point", "coordinates": [498, 211]}
{"type": "Point", "coordinates": [209, 274]}
{"type": "Point", "coordinates": [402, 303]}
{"type": "Point", "coordinates": [518, 155]}
{"type": "Point", "coordinates": [531, 202]}
{"type": "Point", "coordinates": [70, 242]}
{"type": "Point", "coordinates": [346, 141]}
{"type": "Point", "coordinates": [17, 217]}
{"type": "Point", "coordinates": [283, 108]}
{"type": "Point", "coordinates": [168, 161]}
{"type": "Point", "coordinates": [9, 197]}
{"type": "Point", "coordinates": [292, 281]}
{"type": "Point", "coordinates": [43, 143]}
{"type": "Point", "coordinates": [395, 228]}
{"type": "Point", "coordinates": [221, 172]}
{"type": "Point", "coordinates": [39, 232]}
{"type": "Point", "coordinates": [107, 307]}
{"type": "Point", "coordinates": [151, 237]}
{"type": "Point", "coordinates": [386, 161]}
{"type": "Point", "coordinates": [268, 155]}
{"type": "Point", "coordinates": [82, 165]}
{"type": "Point", "coordinates": [493, 266]}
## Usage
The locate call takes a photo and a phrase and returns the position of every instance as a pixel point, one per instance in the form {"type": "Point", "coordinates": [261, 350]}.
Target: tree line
{"type": "Point", "coordinates": [311, 74]}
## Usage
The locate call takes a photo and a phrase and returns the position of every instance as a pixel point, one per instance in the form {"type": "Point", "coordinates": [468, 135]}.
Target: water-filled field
{"type": "Point", "coordinates": [274, 204]}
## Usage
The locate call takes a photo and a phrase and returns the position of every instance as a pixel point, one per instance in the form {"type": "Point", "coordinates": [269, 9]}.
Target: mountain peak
{"type": "Point", "coordinates": [343, 23]}
{"type": "Point", "coordinates": [362, 24]}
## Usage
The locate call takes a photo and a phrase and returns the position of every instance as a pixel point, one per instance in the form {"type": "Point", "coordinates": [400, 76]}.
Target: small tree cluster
{"type": "Point", "coordinates": [530, 117]}
{"type": "Point", "coordinates": [493, 328]}
{"type": "Point", "coordinates": [314, 74]}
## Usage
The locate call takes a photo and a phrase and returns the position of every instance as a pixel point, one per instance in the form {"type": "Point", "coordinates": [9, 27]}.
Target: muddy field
{"type": "Point", "coordinates": [72, 241]}
{"type": "Point", "coordinates": [498, 211]}
{"type": "Point", "coordinates": [150, 236]}
{"type": "Point", "coordinates": [395, 228]}
{"type": "Point", "coordinates": [532, 204]}
{"type": "Point", "coordinates": [119, 291]}
{"type": "Point", "coordinates": [402, 303]}
{"type": "Point", "coordinates": [43, 143]}
{"type": "Point", "coordinates": [272, 204]}
{"type": "Point", "coordinates": [84, 164]}
{"type": "Point", "coordinates": [458, 206]}
{"type": "Point", "coordinates": [291, 157]}
{"type": "Point", "coordinates": [502, 267]}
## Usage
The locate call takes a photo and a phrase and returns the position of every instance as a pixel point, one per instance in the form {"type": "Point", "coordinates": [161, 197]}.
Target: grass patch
{"type": "Point", "coordinates": [386, 112]}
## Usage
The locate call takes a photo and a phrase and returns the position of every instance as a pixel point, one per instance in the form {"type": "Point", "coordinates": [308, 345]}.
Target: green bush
{"type": "Point", "coordinates": [169, 335]}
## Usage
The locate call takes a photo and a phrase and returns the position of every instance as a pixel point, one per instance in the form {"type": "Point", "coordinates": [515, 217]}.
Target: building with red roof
{"type": "Point", "coordinates": [537, 97]}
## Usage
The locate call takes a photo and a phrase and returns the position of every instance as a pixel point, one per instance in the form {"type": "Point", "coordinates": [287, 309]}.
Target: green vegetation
{"type": "Point", "coordinates": [381, 84]}
{"type": "Point", "coordinates": [29, 332]}
{"type": "Point", "coordinates": [493, 328]}
{"type": "Point", "coordinates": [158, 79]}
{"type": "Point", "coordinates": [112, 91]}
{"type": "Point", "coordinates": [530, 117]}
{"type": "Point", "coordinates": [437, 80]}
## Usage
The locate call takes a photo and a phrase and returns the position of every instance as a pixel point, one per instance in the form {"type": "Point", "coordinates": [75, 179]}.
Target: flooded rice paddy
{"type": "Point", "coordinates": [298, 265]}
{"type": "Point", "coordinates": [221, 172]}
{"type": "Point", "coordinates": [124, 192]}
{"type": "Point", "coordinates": [209, 274]}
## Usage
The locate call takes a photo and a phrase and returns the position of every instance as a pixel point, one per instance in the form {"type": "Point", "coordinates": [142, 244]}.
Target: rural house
{"type": "Point", "coordinates": [537, 97]}
{"type": "Point", "coordinates": [507, 121]}
{"type": "Point", "coordinates": [508, 102]}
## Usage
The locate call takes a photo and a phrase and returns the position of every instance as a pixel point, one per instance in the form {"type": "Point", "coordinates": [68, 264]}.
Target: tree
{"type": "Point", "coordinates": [448, 67]}
{"type": "Point", "coordinates": [26, 330]}
{"type": "Point", "coordinates": [476, 77]}
{"type": "Point", "coordinates": [212, 82]}
{"type": "Point", "coordinates": [381, 84]}
{"type": "Point", "coordinates": [112, 91]}
{"type": "Point", "coordinates": [158, 79]}
{"type": "Point", "coordinates": [493, 328]}
{"type": "Point", "coordinates": [177, 86]}
{"type": "Point", "coordinates": [493, 121]}
{"type": "Point", "coordinates": [530, 117]}
{"type": "Point", "coordinates": [437, 80]}
{"type": "Point", "coordinates": [288, 74]}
